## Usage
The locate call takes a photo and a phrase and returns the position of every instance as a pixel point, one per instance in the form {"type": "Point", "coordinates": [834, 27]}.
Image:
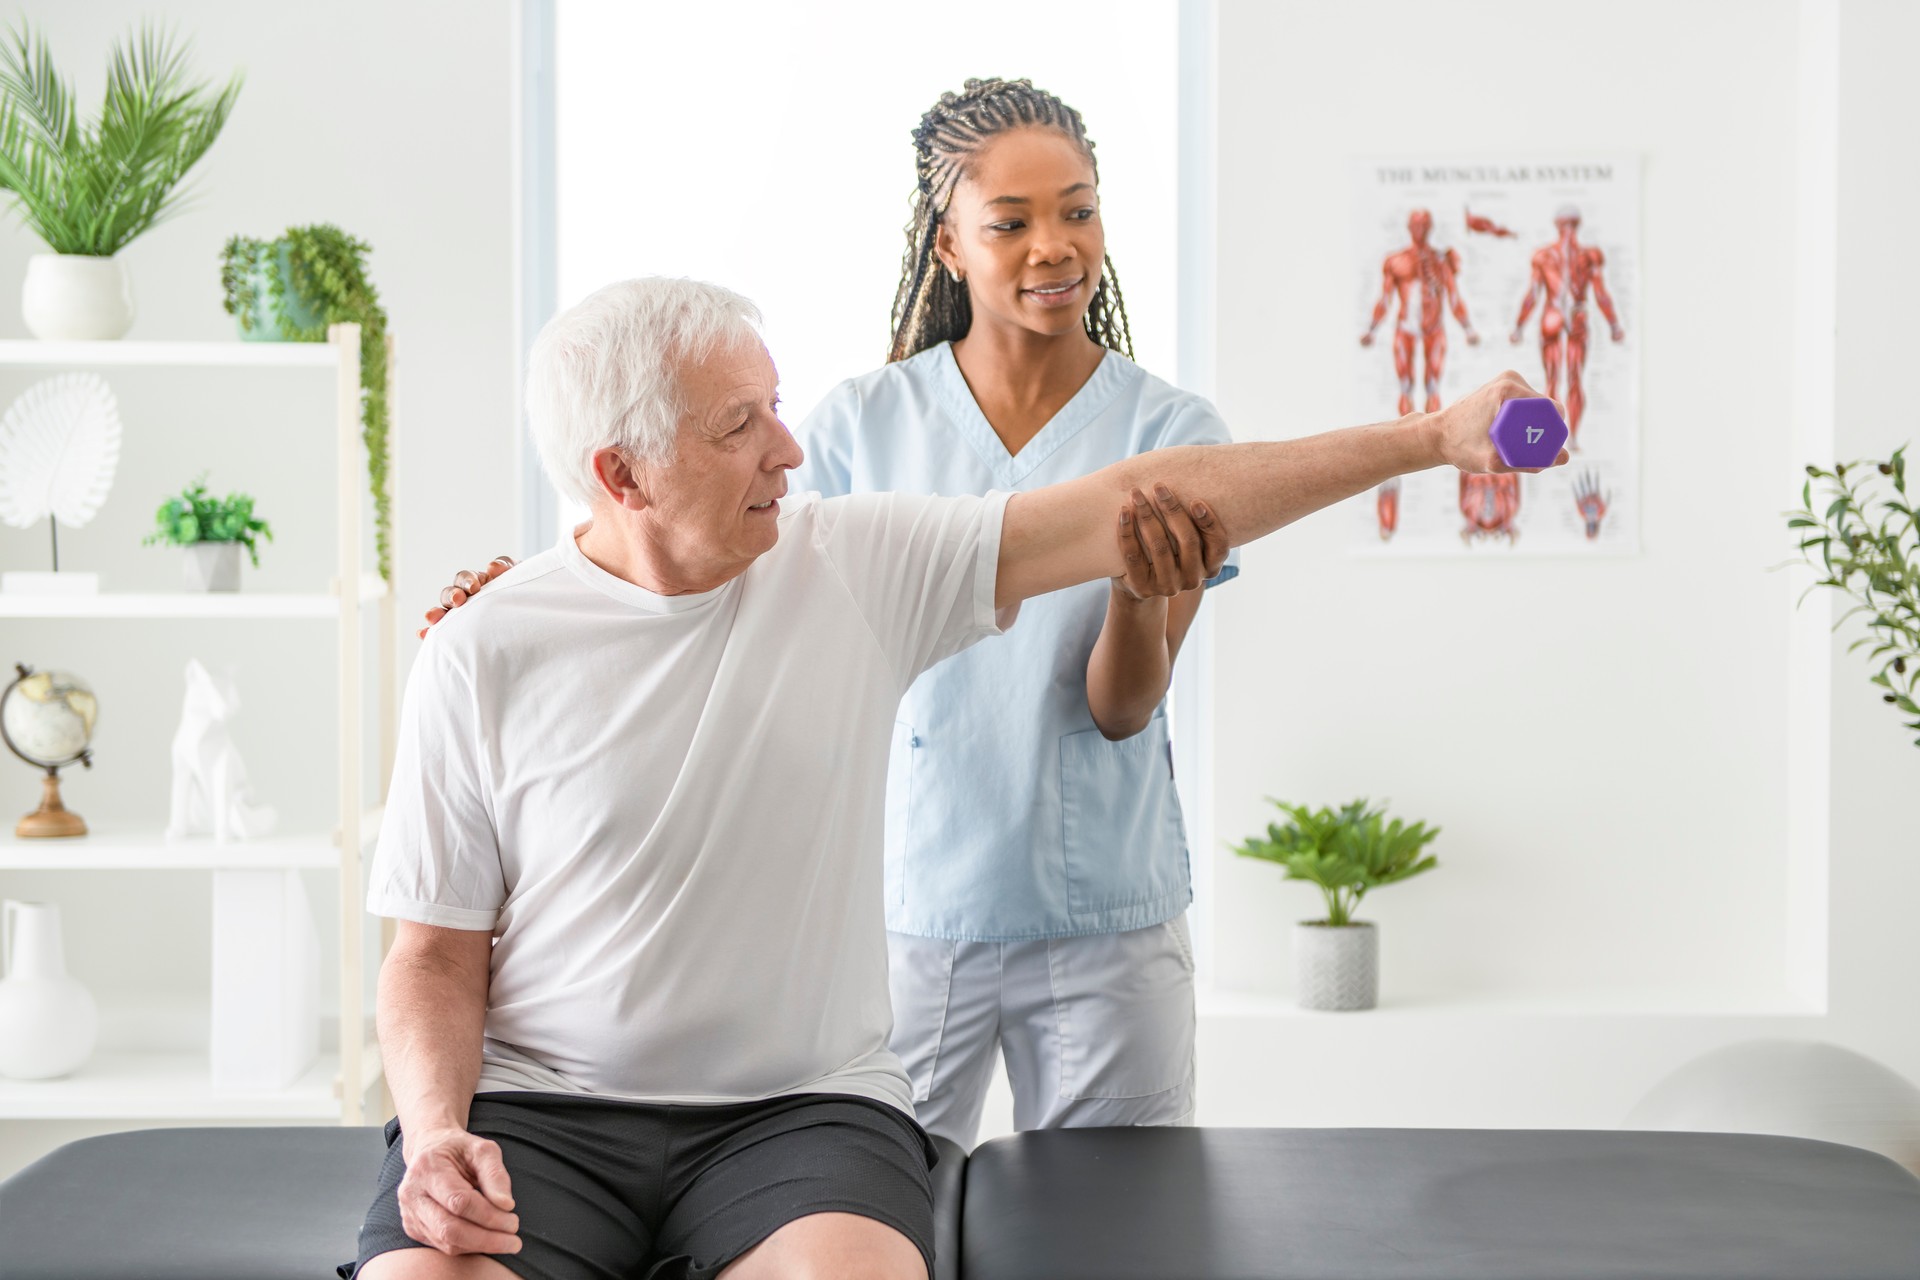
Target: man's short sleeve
{"type": "Point", "coordinates": [921, 569]}
{"type": "Point", "coordinates": [826, 437]}
{"type": "Point", "coordinates": [1200, 423]}
{"type": "Point", "coordinates": [438, 861]}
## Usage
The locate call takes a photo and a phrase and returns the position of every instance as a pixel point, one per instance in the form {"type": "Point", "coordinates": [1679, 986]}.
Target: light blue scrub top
{"type": "Point", "coordinates": [1008, 814]}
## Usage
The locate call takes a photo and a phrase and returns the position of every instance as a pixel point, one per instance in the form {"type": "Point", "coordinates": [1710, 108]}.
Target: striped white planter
{"type": "Point", "coordinates": [1336, 968]}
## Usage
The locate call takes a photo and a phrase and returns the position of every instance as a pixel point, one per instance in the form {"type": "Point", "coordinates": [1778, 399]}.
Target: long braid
{"type": "Point", "coordinates": [930, 307]}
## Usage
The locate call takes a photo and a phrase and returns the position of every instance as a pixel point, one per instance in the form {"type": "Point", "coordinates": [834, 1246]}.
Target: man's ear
{"type": "Point", "coordinates": [621, 478]}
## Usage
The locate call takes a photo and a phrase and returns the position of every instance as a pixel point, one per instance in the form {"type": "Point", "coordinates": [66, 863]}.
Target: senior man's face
{"type": "Point", "coordinates": [718, 504]}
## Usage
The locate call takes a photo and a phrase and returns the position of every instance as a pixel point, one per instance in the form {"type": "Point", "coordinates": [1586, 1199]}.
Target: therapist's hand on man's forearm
{"type": "Point", "coordinates": [1058, 536]}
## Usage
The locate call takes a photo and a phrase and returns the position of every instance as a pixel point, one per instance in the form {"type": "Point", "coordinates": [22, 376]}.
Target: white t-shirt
{"type": "Point", "coordinates": [668, 809]}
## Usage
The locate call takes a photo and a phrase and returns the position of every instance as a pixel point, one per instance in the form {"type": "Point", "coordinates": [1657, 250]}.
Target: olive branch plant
{"type": "Point", "coordinates": [92, 189]}
{"type": "Point", "coordinates": [1866, 542]}
{"type": "Point", "coordinates": [327, 268]}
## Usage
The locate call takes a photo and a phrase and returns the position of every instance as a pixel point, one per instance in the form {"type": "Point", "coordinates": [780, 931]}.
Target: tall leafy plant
{"type": "Point", "coordinates": [92, 189]}
{"type": "Point", "coordinates": [327, 269]}
{"type": "Point", "coordinates": [1865, 543]}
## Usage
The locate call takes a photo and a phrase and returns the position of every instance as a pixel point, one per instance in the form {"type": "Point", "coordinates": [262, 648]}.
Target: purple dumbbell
{"type": "Point", "coordinates": [1528, 432]}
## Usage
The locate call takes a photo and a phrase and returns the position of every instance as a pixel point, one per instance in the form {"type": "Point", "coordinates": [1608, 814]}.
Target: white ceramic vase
{"type": "Point", "coordinates": [48, 1021]}
{"type": "Point", "coordinates": [71, 297]}
{"type": "Point", "coordinates": [1336, 968]}
{"type": "Point", "coordinates": [213, 566]}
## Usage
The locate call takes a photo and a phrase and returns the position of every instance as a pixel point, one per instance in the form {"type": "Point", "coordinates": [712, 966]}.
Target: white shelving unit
{"type": "Point", "coordinates": [167, 1084]}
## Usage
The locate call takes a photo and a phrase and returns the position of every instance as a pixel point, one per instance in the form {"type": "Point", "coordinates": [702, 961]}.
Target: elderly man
{"type": "Point", "coordinates": [635, 1021]}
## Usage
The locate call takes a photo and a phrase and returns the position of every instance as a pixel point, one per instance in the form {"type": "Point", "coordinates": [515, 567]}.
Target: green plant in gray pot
{"type": "Point", "coordinates": [1346, 852]}
{"type": "Point", "coordinates": [1866, 544]}
{"type": "Point", "coordinates": [289, 289]}
{"type": "Point", "coordinates": [89, 190]}
{"type": "Point", "coordinates": [212, 530]}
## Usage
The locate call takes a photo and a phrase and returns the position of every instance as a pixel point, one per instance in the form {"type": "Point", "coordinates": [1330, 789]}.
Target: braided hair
{"type": "Point", "coordinates": [931, 307]}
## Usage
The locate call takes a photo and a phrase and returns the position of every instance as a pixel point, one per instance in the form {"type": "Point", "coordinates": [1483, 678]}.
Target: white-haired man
{"type": "Point", "coordinates": [635, 1020]}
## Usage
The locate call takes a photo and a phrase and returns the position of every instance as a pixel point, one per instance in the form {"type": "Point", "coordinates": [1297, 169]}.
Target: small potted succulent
{"type": "Point", "coordinates": [1346, 852]}
{"type": "Point", "coordinates": [212, 530]}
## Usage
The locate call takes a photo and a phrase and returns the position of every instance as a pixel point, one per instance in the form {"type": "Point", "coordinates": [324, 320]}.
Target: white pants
{"type": "Point", "coordinates": [1097, 1030]}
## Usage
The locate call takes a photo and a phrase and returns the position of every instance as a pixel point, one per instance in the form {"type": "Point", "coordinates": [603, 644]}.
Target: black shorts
{"type": "Point", "coordinates": [612, 1190]}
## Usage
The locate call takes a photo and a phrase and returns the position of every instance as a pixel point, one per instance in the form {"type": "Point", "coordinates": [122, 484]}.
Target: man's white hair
{"type": "Point", "coordinates": [605, 373]}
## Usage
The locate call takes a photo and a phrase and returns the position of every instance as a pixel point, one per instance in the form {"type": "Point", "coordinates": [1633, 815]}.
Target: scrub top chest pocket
{"type": "Point", "coordinates": [1123, 838]}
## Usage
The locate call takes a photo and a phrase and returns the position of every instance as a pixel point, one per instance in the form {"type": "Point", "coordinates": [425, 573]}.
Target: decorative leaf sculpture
{"type": "Point", "coordinates": [59, 446]}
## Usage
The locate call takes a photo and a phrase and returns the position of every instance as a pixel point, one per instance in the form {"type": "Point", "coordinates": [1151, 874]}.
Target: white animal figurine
{"type": "Point", "coordinates": [210, 796]}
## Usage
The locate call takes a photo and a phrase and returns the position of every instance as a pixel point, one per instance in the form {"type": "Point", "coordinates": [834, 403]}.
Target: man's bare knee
{"type": "Point", "coordinates": [831, 1246]}
{"type": "Point", "coordinates": [431, 1264]}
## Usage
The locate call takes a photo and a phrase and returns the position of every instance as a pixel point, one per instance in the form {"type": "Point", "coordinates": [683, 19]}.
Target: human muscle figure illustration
{"type": "Point", "coordinates": [1562, 274]}
{"type": "Point", "coordinates": [1436, 275]}
{"type": "Point", "coordinates": [1491, 504]}
{"type": "Point", "coordinates": [1386, 507]}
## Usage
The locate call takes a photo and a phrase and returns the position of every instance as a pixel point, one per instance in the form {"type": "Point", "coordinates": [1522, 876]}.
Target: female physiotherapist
{"type": "Point", "coordinates": [1036, 861]}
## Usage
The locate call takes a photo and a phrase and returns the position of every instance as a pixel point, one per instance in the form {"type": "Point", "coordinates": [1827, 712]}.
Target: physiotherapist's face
{"type": "Point", "coordinates": [1024, 230]}
{"type": "Point", "coordinates": [715, 508]}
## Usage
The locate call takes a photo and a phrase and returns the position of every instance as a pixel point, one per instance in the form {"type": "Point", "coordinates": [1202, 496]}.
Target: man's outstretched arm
{"type": "Point", "coordinates": [1062, 535]}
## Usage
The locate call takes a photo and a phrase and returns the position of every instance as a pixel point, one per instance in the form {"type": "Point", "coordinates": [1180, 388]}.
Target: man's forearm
{"type": "Point", "coordinates": [431, 1023]}
{"type": "Point", "coordinates": [1061, 535]}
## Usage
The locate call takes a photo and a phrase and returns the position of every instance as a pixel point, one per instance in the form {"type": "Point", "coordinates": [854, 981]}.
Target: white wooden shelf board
{"type": "Point", "coordinates": [1215, 1003]}
{"type": "Point", "coordinates": [264, 355]}
{"type": "Point", "coordinates": [183, 604]}
{"type": "Point", "coordinates": [134, 848]}
{"type": "Point", "coordinates": [125, 1084]}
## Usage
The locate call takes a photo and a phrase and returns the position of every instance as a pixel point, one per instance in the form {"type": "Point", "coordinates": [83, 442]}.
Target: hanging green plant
{"type": "Point", "coordinates": [314, 277]}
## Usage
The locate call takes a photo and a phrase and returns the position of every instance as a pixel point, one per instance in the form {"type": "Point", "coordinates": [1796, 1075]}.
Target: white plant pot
{"type": "Point", "coordinates": [48, 1021]}
{"type": "Point", "coordinates": [71, 297]}
{"type": "Point", "coordinates": [1336, 968]}
{"type": "Point", "coordinates": [213, 566]}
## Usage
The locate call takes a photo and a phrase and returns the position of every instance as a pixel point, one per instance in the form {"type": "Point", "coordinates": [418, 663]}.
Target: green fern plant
{"type": "Point", "coordinates": [328, 272]}
{"type": "Point", "coordinates": [1345, 852]}
{"type": "Point", "coordinates": [92, 189]}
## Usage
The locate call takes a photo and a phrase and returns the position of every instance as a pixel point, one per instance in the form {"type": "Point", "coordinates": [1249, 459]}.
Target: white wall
{"type": "Point", "coordinates": [1605, 743]}
{"type": "Point", "coordinates": [395, 123]}
{"type": "Point", "coordinates": [413, 152]}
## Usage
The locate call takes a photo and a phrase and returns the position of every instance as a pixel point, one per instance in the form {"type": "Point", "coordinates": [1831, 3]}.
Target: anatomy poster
{"type": "Point", "coordinates": [1462, 269]}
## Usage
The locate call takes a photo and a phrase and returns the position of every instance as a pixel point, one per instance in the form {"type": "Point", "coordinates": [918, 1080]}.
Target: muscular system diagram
{"type": "Point", "coordinates": [1549, 246]}
{"type": "Point", "coordinates": [1562, 274]}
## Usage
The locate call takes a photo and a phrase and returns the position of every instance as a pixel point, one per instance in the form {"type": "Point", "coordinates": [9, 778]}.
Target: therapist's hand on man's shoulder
{"type": "Point", "coordinates": [456, 1196]}
{"type": "Point", "coordinates": [465, 585]}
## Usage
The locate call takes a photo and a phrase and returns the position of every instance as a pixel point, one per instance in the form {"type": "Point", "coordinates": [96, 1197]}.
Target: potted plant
{"type": "Point", "coordinates": [88, 191]}
{"type": "Point", "coordinates": [1346, 852]}
{"type": "Point", "coordinates": [212, 530]}
{"type": "Point", "coordinates": [1866, 544]}
{"type": "Point", "coordinates": [289, 289]}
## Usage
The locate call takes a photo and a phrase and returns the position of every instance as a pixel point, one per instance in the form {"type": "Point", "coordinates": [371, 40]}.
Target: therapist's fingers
{"type": "Point", "coordinates": [1158, 544]}
{"type": "Point", "coordinates": [1179, 522]}
{"type": "Point", "coordinates": [1137, 579]}
{"type": "Point", "coordinates": [1214, 542]}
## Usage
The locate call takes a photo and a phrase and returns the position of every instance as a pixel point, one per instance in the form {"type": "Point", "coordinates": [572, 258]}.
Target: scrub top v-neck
{"type": "Point", "coordinates": [1009, 814]}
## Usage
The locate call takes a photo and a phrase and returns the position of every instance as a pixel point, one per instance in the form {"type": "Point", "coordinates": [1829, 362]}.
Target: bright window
{"type": "Point", "coordinates": [766, 147]}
